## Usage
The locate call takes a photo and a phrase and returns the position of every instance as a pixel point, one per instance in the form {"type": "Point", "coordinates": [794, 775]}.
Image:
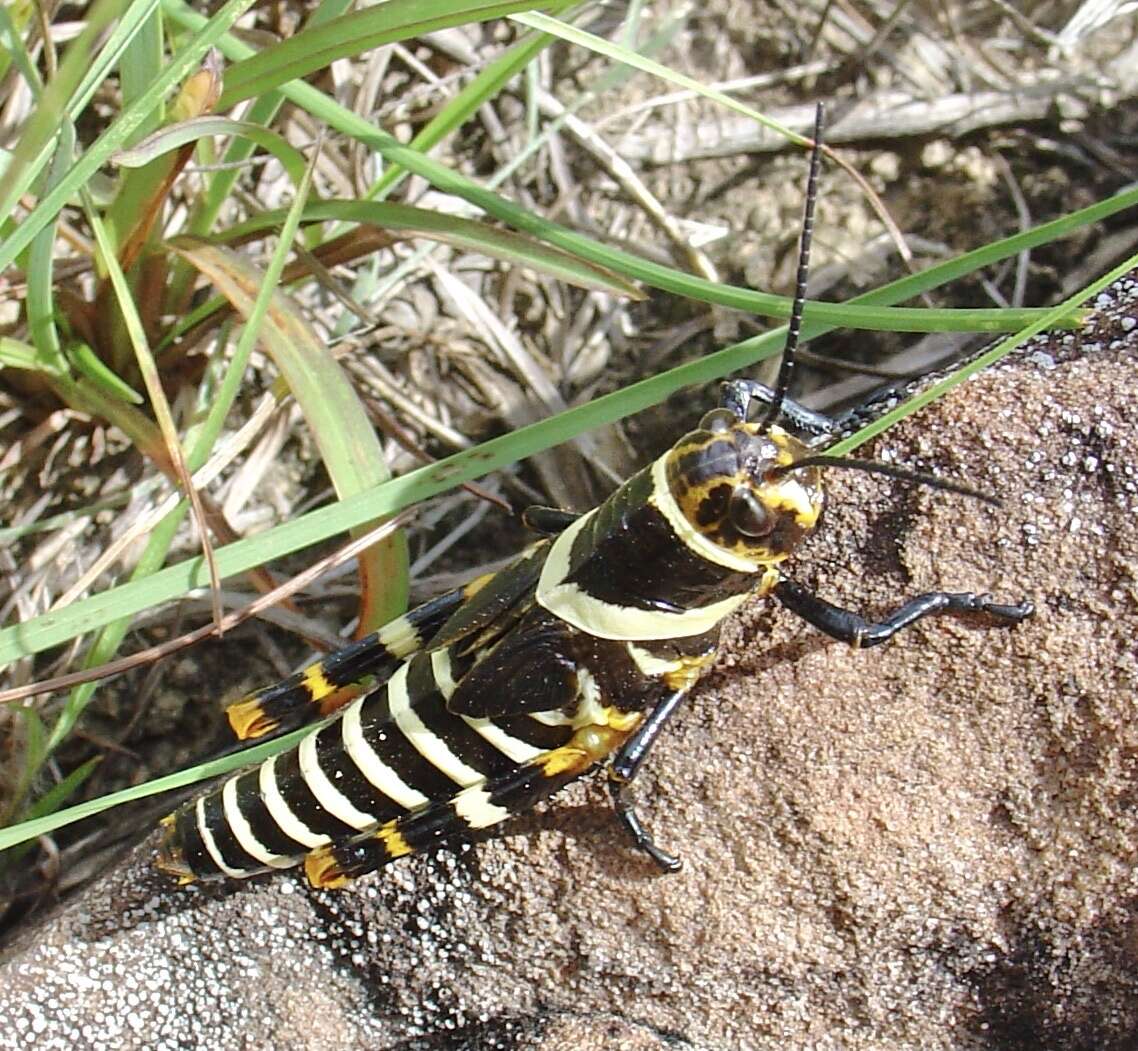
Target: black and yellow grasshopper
{"type": "Point", "coordinates": [492, 697]}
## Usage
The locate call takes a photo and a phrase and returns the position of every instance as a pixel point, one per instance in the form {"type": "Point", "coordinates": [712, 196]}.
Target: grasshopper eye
{"type": "Point", "coordinates": [718, 420]}
{"type": "Point", "coordinates": [748, 514]}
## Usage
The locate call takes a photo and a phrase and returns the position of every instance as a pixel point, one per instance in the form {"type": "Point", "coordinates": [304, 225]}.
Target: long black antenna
{"type": "Point", "coordinates": [903, 474]}
{"type": "Point", "coordinates": [794, 325]}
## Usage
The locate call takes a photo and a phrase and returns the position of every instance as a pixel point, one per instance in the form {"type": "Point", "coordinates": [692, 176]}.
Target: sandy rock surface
{"type": "Point", "coordinates": [928, 845]}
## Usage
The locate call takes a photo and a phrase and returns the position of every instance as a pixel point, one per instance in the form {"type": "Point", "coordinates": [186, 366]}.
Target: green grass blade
{"type": "Point", "coordinates": [619, 53]}
{"type": "Point", "coordinates": [174, 136]}
{"type": "Point", "coordinates": [78, 698]}
{"type": "Point", "coordinates": [316, 47]}
{"type": "Point", "coordinates": [41, 265]}
{"type": "Point", "coordinates": [456, 112]}
{"type": "Point", "coordinates": [87, 363]}
{"type": "Point", "coordinates": [13, 50]}
{"type": "Point", "coordinates": [16, 354]}
{"type": "Point", "coordinates": [349, 448]}
{"type": "Point", "coordinates": [41, 826]}
{"type": "Point", "coordinates": [94, 74]}
{"type": "Point", "coordinates": [348, 445]}
{"type": "Point", "coordinates": [989, 357]}
{"type": "Point", "coordinates": [59, 793]}
{"type": "Point", "coordinates": [48, 804]}
{"type": "Point", "coordinates": [141, 62]}
{"type": "Point", "coordinates": [468, 234]}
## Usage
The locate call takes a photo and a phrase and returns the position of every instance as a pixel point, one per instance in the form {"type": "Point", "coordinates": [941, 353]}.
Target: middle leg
{"type": "Point", "coordinates": [626, 765]}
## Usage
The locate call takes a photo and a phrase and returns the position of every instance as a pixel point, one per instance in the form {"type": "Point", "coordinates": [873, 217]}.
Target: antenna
{"type": "Point", "coordinates": [890, 470]}
{"type": "Point", "coordinates": [794, 325]}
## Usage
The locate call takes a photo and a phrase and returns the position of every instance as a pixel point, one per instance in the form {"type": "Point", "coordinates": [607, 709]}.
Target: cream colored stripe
{"type": "Point", "coordinates": [371, 766]}
{"type": "Point", "coordinates": [429, 745]}
{"type": "Point", "coordinates": [279, 810]}
{"type": "Point", "coordinates": [399, 637]}
{"type": "Point", "coordinates": [591, 708]}
{"type": "Point", "coordinates": [511, 747]}
{"type": "Point", "coordinates": [794, 496]}
{"type": "Point", "coordinates": [651, 665]}
{"type": "Point", "coordinates": [663, 500]}
{"type": "Point", "coordinates": [326, 793]}
{"type": "Point", "coordinates": [211, 843]}
{"type": "Point", "coordinates": [243, 831]}
{"type": "Point", "coordinates": [441, 670]}
{"type": "Point", "coordinates": [554, 718]}
{"type": "Point", "coordinates": [556, 566]}
{"type": "Point", "coordinates": [474, 807]}
{"type": "Point", "coordinates": [627, 623]}
{"type": "Point", "coordinates": [491, 733]}
{"type": "Point", "coordinates": [576, 606]}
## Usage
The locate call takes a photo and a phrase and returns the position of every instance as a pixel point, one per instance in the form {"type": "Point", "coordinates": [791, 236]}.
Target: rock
{"type": "Point", "coordinates": [927, 845]}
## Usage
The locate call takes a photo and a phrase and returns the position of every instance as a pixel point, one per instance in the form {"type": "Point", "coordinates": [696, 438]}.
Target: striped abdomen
{"type": "Point", "coordinates": [391, 753]}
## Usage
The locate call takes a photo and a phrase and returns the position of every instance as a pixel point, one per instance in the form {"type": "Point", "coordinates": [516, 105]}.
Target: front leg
{"type": "Point", "coordinates": [737, 396]}
{"type": "Point", "coordinates": [850, 627]}
{"type": "Point", "coordinates": [624, 768]}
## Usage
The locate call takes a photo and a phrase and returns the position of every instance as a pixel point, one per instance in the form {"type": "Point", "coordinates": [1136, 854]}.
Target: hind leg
{"type": "Point", "coordinates": [549, 521]}
{"type": "Point", "coordinates": [325, 685]}
{"type": "Point", "coordinates": [478, 806]}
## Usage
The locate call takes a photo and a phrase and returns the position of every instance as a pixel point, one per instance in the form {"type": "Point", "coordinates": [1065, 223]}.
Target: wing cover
{"type": "Point", "coordinates": [532, 669]}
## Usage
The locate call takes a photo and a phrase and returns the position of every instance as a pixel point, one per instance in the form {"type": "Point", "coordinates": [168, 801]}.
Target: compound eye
{"type": "Point", "coordinates": [748, 513]}
{"type": "Point", "coordinates": [718, 420]}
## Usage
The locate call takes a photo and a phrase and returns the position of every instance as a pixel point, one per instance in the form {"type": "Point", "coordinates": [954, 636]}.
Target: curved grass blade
{"type": "Point", "coordinates": [13, 50]}
{"type": "Point", "coordinates": [143, 192]}
{"type": "Point", "coordinates": [348, 446]}
{"type": "Point", "coordinates": [175, 136]}
{"type": "Point", "coordinates": [468, 234]}
{"type": "Point", "coordinates": [90, 365]}
{"type": "Point", "coordinates": [318, 46]}
{"type": "Point", "coordinates": [40, 269]}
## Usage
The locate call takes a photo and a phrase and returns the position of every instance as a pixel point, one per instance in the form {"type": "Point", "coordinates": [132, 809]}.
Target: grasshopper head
{"type": "Point", "coordinates": [729, 479]}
